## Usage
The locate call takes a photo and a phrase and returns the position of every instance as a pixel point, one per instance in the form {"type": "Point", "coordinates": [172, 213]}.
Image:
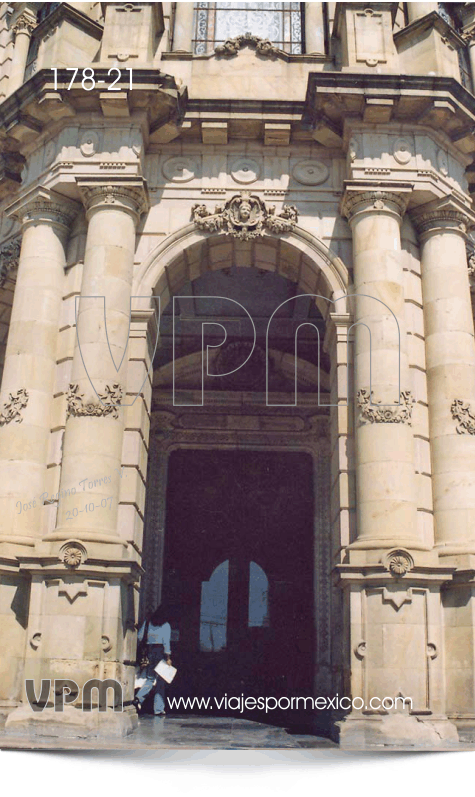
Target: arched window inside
{"type": "Point", "coordinates": [214, 609]}
{"type": "Point", "coordinates": [258, 597]}
{"type": "Point", "coordinates": [281, 23]}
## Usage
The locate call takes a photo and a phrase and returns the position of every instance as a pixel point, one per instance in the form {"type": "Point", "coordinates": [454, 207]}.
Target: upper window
{"type": "Point", "coordinates": [281, 23]}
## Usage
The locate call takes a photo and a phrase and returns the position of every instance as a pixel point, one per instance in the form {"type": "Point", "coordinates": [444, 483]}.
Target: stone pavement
{"type": "Point", "coordinates": [181, 732]}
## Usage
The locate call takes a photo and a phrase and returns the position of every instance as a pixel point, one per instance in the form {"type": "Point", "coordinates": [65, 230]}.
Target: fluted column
{"type": "Point", "coordinates": [30, 361]}
{"type": "Point", "coordinates": [450, 358]}
{"type": "Point", "coordinates": [183, 27]}
{"type": "Point", "coordinates": [23, 28]}
{"type": "Point", "coordinates": [314, 29]}
{"type": "Point", "coordinates": [385, 486]}
{"type": "Point", "coordinates": [90, 472]}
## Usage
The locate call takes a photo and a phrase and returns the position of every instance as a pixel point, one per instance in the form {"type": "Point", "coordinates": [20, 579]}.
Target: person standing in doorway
{"type": "Point", "coordinates": [155, 634]}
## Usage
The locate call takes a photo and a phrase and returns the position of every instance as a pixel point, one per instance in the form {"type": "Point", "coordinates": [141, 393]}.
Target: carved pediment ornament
{"type": "Point", "coordinates": [13, 407]}
{"type": "Point", "coordinates": [245, 216]}
{"type": "Point", "coordinates": [109, 402]}
{"type": "Point", "coordinates": [463, 413]}
{"type": "Point", "coordinates": [9, 257]}
{"type": "Point", "coordinates": [262, 46]}
{"type": "Point", "coordinates": [372, 412]}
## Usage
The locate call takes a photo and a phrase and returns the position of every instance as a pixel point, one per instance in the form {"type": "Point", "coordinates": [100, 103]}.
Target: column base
{"type": "Point", "coordinates": [465, 728]}
{"type": "Point", "coordinates": [71, 723]}
{"type": "Point", "coordinates": [397, 731]}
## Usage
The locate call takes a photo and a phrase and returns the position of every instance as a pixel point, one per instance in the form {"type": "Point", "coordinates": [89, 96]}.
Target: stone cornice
{"type": "Point", "coordinates": [41, 101]}
{"type": "Point", "coordinates": [42, 204]}
{"type": "Point", "coordinates": [333, 98]}
{"type": "Point", "coordinates": [430, 20]}
{"type": "Point", "coordinates": [377, 197]}
{"type": "Point", "coordinates": [128, 194]}
{"type": "Point", "coordinates": [66, 11]}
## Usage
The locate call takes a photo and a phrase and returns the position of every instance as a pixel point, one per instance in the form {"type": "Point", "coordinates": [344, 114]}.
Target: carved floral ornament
{"type": "Point", "coordinates": [398, 562]}
{"type": "Point", "coordinates": [9, 257]}
{"type": "Point", "coordinates": [13, 407]}
{"type": "Point", "coordinates": [374, 413]}
{"type": "Point", "coordinates": [262, 47]}
{"type": "Point", "coordinates": [245, 216]}
{"type": "Point", "coordinates": [463, 413]}
{"type": "Point", "coordinates": [72, 554]}
{"type": "Point", "coordinates": [108, 405]}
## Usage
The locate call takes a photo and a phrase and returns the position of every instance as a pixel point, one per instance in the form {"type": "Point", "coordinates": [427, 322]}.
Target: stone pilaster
{"type": "Point", "coordinates": [450, 357]}
{"type": "Point", "coordinates": [385, 486]}
{"type": "Point", "coordinates": [23, 27]}
{"type": "Point", "coordinates": [30, 362]}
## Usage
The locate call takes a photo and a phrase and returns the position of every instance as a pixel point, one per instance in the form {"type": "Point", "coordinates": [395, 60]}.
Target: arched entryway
{"type": "Point", "coordinates": [238, 526]}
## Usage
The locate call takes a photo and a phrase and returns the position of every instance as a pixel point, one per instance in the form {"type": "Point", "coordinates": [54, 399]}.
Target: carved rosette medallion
{"type": "Point", "coordinates": [398, 562]}
{"type": "Point", "coordinates": [262, 47]}
{"type": "Point", "coordinates": [245, 216]}
{"type": "Point", "coordinates": [463, 413]}
{"type": "Point", "coordinates": [109, 402]}
{"type": "Point", "coordinates": [373, 413]}
{"type": "Point", "coordinates": [13, 407]}
{"type": "Point", "coordinates": [72, 554]}
{"type": "Point", "coordinates": [9, 257]}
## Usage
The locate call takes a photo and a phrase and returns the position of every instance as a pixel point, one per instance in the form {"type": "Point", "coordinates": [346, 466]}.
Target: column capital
{"type": "Point", "coordinates": [127, 194]}
{"type": "Point", "coordinates": [24, 23]}
{"type": "Point", "coordinates": [447, 213]}
{"type": "Point", "coordinates": [42, 204]}
{"type": "Point", "coordinates": [366, 197]}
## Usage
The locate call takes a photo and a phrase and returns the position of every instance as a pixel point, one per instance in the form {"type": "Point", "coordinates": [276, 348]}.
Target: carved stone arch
{"type": "Point", "coordinates": [298, 256]}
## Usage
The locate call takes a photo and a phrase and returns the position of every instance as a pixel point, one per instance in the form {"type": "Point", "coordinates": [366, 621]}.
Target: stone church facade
{"type": "Point", "coordinates": [312, 160]}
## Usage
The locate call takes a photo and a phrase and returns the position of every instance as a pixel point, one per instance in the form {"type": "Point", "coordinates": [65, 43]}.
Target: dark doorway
{"type": "Point", "coordinates": [238, 576]}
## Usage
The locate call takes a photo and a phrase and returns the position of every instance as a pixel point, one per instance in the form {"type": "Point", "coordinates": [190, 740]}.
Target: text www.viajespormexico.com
{"type": "Point", "coordinates": [241, 703]}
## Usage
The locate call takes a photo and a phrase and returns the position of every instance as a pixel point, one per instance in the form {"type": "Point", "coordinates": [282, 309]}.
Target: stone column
{"type": "Point", "coordinates": [314, 29]}
{"type": "Point", "coordinates": [385, 485]}
{"type": "Point", "coordinates": [30, 362]}
{"type": "Point", "coordinates": [92, 448]}
{"type": "Point", "coordinates": [450, 354]}
{"type": "Point", "coordinates": [471, 55]}
{"type": "Point", "coordinates": [418, 10]}
{"type": "Point", "coordinates": [23, 28]}
{"type": "Point", "coordinates": [183, 27]}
